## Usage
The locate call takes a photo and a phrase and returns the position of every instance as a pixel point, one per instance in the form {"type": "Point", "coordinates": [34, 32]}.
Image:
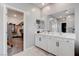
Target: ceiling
{"type": "Point", "coordinates": [63, 13]}
{"type": "Point", "coordinates": [14, 16]}
{"type": "Point", "coordinates": [41, 5]}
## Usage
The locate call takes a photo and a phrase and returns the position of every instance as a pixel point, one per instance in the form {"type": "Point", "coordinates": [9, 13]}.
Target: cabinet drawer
{"type": "Point", "coordinates": [66, 40]}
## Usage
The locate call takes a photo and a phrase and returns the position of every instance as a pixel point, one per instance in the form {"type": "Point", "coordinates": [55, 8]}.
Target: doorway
{"type": "Point", "coordinates": [15, 31]}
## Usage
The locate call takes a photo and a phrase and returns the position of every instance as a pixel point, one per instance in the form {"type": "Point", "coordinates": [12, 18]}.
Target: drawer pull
{"type": "Point", "coordinates": [57, 44]}
{"type": "Point", "coordinates": [40, 39]}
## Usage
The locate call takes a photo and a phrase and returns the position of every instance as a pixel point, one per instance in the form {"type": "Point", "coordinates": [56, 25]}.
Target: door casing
{"type": "Point", "coordinates": [5, 26]}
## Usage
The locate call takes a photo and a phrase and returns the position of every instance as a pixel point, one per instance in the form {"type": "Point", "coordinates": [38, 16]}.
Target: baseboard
{"type": "Point", "coordinates": [45, 51]}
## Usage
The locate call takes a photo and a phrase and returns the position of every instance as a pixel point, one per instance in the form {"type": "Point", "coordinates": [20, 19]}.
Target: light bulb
{"type": "Point", "coordinates": [60, 16]}
{"type": "Point", "coordinates": [14, 15]}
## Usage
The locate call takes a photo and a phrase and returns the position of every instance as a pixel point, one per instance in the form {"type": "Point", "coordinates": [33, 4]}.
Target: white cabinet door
{"type": "Point", "coordinates": [44, 42]}
{"type": "Point", "coordinates": [66, 47]}
{"type": "Point", "coordinates": [41, 41]}
{"type": "Point", "coordinates": [52, 45]}
{"type": "Point", "coordinates": [38, 40]}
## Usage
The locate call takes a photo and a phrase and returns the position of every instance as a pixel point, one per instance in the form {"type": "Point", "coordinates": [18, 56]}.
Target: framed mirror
{"type": "Point", "coordinates": [62, 21]}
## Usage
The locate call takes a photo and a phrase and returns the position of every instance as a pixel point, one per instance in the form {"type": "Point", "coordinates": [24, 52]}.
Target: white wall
{"type": "Point", "coordinates": [1, 30]}
{"type": "Point", "coordinates": [77, 31]}
{"type": "Point", "coordinates": [31, 27]}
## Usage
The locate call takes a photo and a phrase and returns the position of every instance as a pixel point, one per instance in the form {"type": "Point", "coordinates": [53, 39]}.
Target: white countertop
{"type": "Point", "coordinates": [63, 35]}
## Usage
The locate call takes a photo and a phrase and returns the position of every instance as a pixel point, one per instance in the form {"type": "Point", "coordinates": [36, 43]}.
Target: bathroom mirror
{"type": "Point", "coordinates": [40, 24]}
{"type": "Point", "coordinates": [62, 21]}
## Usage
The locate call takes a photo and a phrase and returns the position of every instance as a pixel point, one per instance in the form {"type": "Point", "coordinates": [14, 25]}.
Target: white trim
{"type": "Point", "coordinates": [4, 30]}
{"type": "Point", "coordinates": [5, 26]}
{"type": "Point", "coordinates": [14, 8]}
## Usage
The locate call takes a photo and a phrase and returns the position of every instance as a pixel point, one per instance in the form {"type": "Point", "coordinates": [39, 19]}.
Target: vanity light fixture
{"type": "Point", "coordinates": [66, 12]}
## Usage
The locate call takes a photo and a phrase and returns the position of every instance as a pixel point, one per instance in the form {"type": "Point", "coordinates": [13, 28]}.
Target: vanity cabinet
{"type": "Point", "coordinates": [55, 45]}
{"type": "Point", "coordinates": [44, 42]}
{"type": "Point", "coordinates": [61, 46]}
{"type": "Point", "coordinates": [41, 41]}
{"type": "Point", "coordinates": [66, 47]}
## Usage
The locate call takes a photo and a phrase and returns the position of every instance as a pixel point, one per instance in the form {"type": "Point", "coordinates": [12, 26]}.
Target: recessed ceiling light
{"type": "Point", "coordinates": [60, 16]}
{"type": "Point", "coordinates": [14, 15]}
{"type": "Point", "coordinates": [48, 8]}
{"type": "Point", "coordinates": [33, 9]}
{"type": "Point", "coordinates": [43, 4]}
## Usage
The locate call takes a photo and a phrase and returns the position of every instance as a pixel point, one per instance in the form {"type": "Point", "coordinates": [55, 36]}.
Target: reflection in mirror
{"type": "Point", "coordinates": [40, 24]}
{"type": "Point", "coordinates": [62, 21]}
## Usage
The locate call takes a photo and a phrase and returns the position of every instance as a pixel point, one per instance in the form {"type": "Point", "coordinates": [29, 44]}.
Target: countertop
{"type": "Point", "coordinates": [62, 35]}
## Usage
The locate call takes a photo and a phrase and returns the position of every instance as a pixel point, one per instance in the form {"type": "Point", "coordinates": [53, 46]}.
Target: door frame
{"type": "Point", "coordinates": [5, 7]}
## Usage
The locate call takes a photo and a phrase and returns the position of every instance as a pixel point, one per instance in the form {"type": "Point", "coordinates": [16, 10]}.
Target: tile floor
{"type": "Point", "coordinates": [33, 51]}
{"type": "Point", "coordinates": [18, 47]}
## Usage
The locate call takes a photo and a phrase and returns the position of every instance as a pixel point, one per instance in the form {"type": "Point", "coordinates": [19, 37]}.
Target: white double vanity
{"type": "Point", "coordinates": [56, 43]}
{"type": "Point", "coordinates": [59, 39]}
